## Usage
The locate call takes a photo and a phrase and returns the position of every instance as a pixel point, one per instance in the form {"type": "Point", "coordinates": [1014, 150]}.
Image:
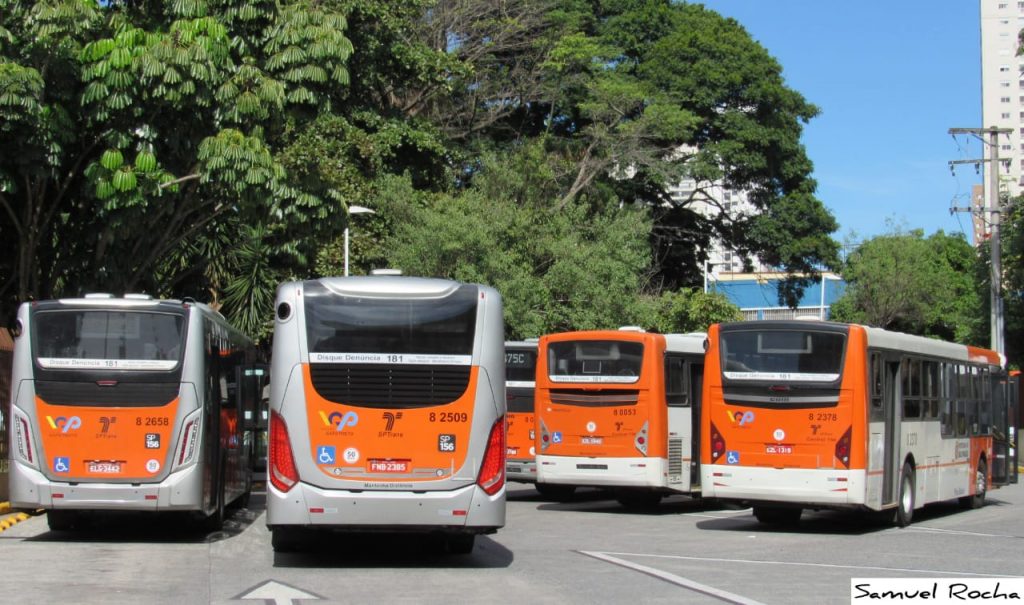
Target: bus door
{"type": "Point", "coordinates": [1001, 431]}
{"type": "Point", "coordinates": [891, 399]}
{"type": "Point", "coordinates": [681, 422]}
{"type": "Point", "coordinates": [696, 390]}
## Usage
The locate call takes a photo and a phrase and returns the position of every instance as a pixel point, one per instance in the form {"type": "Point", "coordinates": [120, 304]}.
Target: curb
{"type": "Point", "coordinates": [13, 520]}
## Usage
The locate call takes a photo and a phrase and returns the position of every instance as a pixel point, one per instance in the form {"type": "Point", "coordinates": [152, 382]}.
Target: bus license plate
{"type": "Point", "coordinates": [778, 449]}
{"type": "Point", "coordinates": [106, 468]}
{"type": "Point", "coordinates": [514, 469]}
{"type": "Point", "coordinates": [593, 440]}
{"type": "Point", "coordinates": [389, 466]}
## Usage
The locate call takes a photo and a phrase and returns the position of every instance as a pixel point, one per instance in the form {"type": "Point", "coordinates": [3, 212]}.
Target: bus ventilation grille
{"type": "Point", "coordinates": [389, 386]}
{"type": "Point", "coordinates": [595, 399]}
{"type": "Point", "coordinates": [675, 458]}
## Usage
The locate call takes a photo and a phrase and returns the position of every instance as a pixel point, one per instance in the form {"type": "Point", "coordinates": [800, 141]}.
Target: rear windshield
{"type": "Point", "coordinates": [797, 355]}
{"type": "Point", "coordinates": [102, 339]}
{"type": "Point", "coordinates": [595, 361]}
{"type": "Point", "coordinates": [351, 329]}
{"type": "Point", "coordinates": [520, 366]}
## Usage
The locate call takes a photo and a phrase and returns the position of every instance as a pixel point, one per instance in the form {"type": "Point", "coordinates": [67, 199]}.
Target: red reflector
{"type": "Point", "coordinates": [641, 440]}
{"type": "Point", "coordinates": [58, 495]}
{"type": "Point", "coordinates": [151, 497]}
{"type": "Point", "coordinates": [106, 383]}
{"type": "Point", "coordinates": [717, 474]}
{"type": "Point", "coordinates": [459, 513]}
{"type": "Point", "coordinates": [316, 510]}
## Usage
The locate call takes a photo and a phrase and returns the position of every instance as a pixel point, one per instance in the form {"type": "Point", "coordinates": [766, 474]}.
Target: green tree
{"type": "Point", "coordinates": [632, 96]}
{"type": "Point", "coordinates": [906, 282]}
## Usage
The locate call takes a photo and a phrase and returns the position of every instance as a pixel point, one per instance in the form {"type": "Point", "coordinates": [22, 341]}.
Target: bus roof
{"type": "Point", "coordinates": [390, 286]}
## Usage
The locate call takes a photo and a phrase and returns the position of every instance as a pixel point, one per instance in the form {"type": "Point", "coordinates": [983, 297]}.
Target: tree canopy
{"type": "Point", "coordinates": [211, 149]}
{"type": "Point", "coordinates": [907, 282]}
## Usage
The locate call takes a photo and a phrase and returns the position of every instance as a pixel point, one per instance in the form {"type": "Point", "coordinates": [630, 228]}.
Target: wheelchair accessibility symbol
{"type": "Point", "coordinates": [732, 457]}
{"type": "Point", "coordinates": [61, 464]}
{"type": "Point", "coordinates": [325, 454]}
{"type": "Point", "coordinates": [556, 437]}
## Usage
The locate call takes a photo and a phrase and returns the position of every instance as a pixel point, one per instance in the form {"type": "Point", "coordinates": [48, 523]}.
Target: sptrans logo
{"type": "Point", "coordinates": [64, 424]}
{"type": "Point", "coordinates": [741, 418]}
{"type": "Point", "coordinates": [339, 421]}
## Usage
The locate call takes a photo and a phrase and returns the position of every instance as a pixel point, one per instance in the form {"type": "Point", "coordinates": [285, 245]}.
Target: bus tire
{"type": "Point", "coordinates": [554, 491]}
{"type": "Point", "coordinates": [286, 539]}
{"type": "Point", "coordinates": [639, 500]}
{"type": "Point", "coordinates": [459, 544]}
{"type": "Point", "coordinates": [905, 504]}
{"type": "Point", "coordinates": [980, 486]}
{"type": "Point", "coordinates": [777, 515]}
{"type": "Point", "coordinates": [62, 520]}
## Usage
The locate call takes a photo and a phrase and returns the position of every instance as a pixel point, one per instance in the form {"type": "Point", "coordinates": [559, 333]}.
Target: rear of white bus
{"type": "Point", "coordinates": [387, 409]}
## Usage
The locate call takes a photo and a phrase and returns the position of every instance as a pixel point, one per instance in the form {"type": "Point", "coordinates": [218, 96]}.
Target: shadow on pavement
{"type": "Point", "coordinates": [383, 550]}
{"type": "Point", "coordinates": [167, 527]}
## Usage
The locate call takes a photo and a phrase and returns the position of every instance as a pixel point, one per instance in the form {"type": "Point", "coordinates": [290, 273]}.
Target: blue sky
{"type": "Point", "coordinates": [890, 79]}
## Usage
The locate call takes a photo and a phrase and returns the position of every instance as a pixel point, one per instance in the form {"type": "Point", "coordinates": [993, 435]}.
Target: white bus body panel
{"type": "Point", "coordinates": [614, 472]}
{"type": "Point", "coordinates": [825, 487]}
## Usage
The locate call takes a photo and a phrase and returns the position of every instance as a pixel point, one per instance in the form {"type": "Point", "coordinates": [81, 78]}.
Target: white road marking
{"type": "Point", "coordinates": [821, 565]}
{"type": "Point", "coordinates": [674, 579]}
{"type": "Point", "coordinates": [957, 532]}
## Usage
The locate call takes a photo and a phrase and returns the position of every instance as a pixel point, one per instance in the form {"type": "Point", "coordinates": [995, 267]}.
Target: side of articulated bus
{"type": "Point", "coordinates": [130, 404]}
{"type": "Point", "coordinates": [817, 415]}
{"type": "Point", "coordinates": [520, 371]}
{"type": "Point", "coordinates": [387, 409]}
{"type": "Point", "coordinates": [618, 410]}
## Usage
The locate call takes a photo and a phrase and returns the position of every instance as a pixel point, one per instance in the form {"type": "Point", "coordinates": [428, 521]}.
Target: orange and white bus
{"type": "Point", "coordinates": [820, 415]}
{"type": "Point", "coordinates": [617, 409]}
{"type": "Point", "coordinates": [130, 404]}
{"type": "Point", "coordinates": [520, 370]}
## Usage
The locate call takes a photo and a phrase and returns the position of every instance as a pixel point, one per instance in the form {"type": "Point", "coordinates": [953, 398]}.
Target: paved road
{"type": "Point", "coordinates": [589, 550]}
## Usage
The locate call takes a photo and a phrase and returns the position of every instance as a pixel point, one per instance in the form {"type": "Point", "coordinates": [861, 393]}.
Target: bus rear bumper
{"type": "Point", "coordinates": [602, 472]}
{"type": "Point", "coordinates": [31, 489]}
{"type": "Point", "coordinates": [822, 487]}
{"type": "Point", "coordinates": [524, 470]}
{"type": "Point", "coordinates": [465, 510]}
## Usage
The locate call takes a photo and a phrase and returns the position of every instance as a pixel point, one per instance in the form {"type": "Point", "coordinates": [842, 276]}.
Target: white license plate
{"type": "Point", "coordinates": [389, 466]}
{"type": "Point", "coordinates": [104, 468]}
{"type": "Point", "coordinates": [593, 440]}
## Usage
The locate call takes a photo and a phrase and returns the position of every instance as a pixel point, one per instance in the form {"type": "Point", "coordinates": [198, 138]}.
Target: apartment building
{"type": "Point", "coordinates": [1002, 86]}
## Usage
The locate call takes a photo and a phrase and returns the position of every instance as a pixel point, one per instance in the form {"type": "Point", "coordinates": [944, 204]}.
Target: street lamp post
{"type": "Point", "coordinates": [353, 210]}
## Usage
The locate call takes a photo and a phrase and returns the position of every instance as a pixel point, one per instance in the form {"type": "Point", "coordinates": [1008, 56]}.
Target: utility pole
{"type": "Point", "coordinates": [994, 210]}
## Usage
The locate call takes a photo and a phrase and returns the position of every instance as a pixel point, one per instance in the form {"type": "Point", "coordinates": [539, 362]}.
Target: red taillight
{"type": "Point", "coordinates": [283, 474]}
{"type": "Point", "coordinates": [492, 471]}
{"type": "Point", "coordinates": [717, 443]}
{"type": "Point", "coordinates": [843, 448]}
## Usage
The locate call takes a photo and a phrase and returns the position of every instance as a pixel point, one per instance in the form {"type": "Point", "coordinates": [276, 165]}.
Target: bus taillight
{"type": "Point", "coordinates": [283, 474]}
{"type": "Point", "coordinates": [717, 443]}
{"type": "Point", "coordinates": [492, 471]}
{"type": "Point", "coordinates": [843, 448]}
{"type": "Point", "coordinates": [189, 439]}
{"type": "Point", "coordinates": [545, 437]}
{"type": "Point", "coordinates": [640, 439]}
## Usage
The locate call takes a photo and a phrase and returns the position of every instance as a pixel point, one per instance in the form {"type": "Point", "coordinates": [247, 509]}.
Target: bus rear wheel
{"type": "Point", "coordinates": [639, 500]}
{"type": "Point", "coordinates": [980, 485]}
{"type": "Point", "coordinates": [62, 520]}
{"type": "Point", "coordinates": [777, 515]}
{"type": "Point", "coordinates": [905, 506]}
{"type": "Point", "coordinates": [555, 491]}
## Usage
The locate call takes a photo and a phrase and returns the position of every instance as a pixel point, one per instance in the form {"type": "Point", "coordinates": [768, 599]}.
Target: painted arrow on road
{"type": "Point", "coordinates": [277, 593]}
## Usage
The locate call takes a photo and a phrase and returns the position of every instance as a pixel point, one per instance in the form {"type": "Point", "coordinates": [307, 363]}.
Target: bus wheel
{"type": "Point", "coordinates": [639, 500]}
{"type": "Point", "coordinates": [777, 515]}
{"type": "Point", "coordinates": [980, 485]}
{"type": "Point", "coordinates": [459, 544]}
{"type": "Point", "coordinates": [286, 539]}
{"type": "Point", "coordinates": [905, 508]}
{"type": "Point", "coordinates": [555, 491]}
{"type": "Point", "coordinates": [62, 520]}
